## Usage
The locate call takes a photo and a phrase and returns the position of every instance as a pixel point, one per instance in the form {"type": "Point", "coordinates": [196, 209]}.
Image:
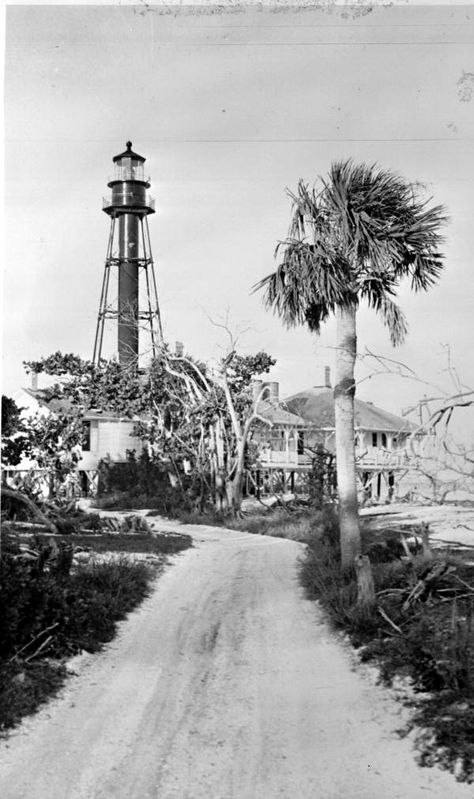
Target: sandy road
{"type": "Point", "coordinates": [225, 684]}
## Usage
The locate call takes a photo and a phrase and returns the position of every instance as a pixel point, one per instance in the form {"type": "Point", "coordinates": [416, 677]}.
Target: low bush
{"type": "Point", "coordinates": [138, 484]}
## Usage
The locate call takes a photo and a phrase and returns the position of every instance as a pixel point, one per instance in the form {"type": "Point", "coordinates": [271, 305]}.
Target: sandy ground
{"type": "Point", "coordinates": [451, 524]}
{"type": "Point", "coordinates": [225, 684]}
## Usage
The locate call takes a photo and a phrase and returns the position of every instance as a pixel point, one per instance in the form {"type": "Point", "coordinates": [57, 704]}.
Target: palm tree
{"type": "Point", "coordinates": [353, 238]}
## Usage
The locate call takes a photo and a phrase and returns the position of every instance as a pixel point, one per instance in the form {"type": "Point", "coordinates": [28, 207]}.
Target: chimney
{"type": "Point", "coordinates": [179, 349]}
{"type": "Point", "coordinates": [327, 376]}
{"type": "Point", "coordinates": [34, 381]}
{"type": "Point", "coordinates": [271, 392]}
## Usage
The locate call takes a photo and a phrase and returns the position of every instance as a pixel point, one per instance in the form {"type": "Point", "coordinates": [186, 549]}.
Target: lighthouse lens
{"type": "Point", "coordinates": [129, 169]}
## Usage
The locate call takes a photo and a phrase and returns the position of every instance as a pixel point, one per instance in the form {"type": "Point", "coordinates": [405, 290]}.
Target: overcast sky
{"type": "Point", "coordinates": [229, 109]}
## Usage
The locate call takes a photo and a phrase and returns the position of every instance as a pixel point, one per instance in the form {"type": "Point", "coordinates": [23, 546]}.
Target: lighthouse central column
{"type": "Point", "coordinates": [129, 233]}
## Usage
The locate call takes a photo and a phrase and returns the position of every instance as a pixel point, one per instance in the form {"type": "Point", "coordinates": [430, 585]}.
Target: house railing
{"type": "Point", "coordinates": [372, 459]}
{"type": "Point", "coordinates": [383, 459]}
{"type": "Point", "coordinates": [272, 457]}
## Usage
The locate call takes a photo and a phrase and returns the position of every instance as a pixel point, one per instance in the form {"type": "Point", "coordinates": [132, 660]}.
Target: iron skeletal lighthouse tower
{"type": "Point", "coordinates": [129, 254]}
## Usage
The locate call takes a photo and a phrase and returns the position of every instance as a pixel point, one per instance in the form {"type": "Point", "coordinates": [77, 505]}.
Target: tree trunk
{"type": "Point", "coordinates": [235, 491]}
{"type": "Point", "coordinates": [365, 584]}
{"type": "Point", "coordinates": [344, 391]}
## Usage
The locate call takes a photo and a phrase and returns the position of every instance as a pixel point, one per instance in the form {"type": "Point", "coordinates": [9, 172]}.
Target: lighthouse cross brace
{"type": "Point", "coordinates": [130, 253]}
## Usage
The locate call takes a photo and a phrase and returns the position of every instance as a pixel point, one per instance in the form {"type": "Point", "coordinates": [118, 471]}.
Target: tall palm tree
{"type": "Point", "coordinates": [354, 237]}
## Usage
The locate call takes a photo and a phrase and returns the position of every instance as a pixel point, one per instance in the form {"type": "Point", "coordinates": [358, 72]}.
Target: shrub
{"type": "Point", "coordinates": [140, 483]}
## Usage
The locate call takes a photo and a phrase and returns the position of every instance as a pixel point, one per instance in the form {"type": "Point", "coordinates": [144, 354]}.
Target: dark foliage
{"type": "Point", "coordinates": [14, 443]}
{"type": "Point", "coordinates": [322, 478]}
{"type": "Point", "coordinates": [25, 686]}
{"type": "Point", "coordinates": [142, 483]}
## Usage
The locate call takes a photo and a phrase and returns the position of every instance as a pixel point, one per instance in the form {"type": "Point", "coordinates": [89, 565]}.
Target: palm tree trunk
{"type": "Point", "coordinates": [344, 391]}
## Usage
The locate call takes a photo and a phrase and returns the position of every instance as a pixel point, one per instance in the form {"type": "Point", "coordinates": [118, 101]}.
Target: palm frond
{"type": "Point", "coordinates": [394, 319]}
{"type": "Point", "coordinates": [357, 234]}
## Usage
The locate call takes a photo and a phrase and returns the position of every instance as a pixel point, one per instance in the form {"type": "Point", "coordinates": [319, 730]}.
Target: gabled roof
{"type": "Point", "coordinates": [316, 406]}
{"type": "Point", "coordinates": [276, 414]}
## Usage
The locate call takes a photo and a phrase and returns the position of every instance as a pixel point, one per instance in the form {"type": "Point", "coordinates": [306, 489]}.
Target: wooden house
{"type": "Point", "coordinates": [386, 444]}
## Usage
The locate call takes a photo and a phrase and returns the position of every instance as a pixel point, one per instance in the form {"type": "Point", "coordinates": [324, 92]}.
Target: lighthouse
{"type": "Point", "coordinates": [129, 264]}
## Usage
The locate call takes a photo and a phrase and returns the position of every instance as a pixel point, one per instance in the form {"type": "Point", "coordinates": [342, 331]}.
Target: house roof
{"type": "Point", "coordinates": [41, 396]}
{"type": "Point", "coordinates": [58, 405]}
{"type": "Point", "coordinates": [276, 414]}
{"type": "Point", "coordinates": [316, 405]}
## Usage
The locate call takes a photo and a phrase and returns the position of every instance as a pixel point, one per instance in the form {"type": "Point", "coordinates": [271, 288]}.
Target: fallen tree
{"type": "Point", "coordinates": [19, 501]}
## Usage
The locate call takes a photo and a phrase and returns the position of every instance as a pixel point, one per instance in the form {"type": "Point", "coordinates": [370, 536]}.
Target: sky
{"type": "Point", "coordinates": [231, 107]}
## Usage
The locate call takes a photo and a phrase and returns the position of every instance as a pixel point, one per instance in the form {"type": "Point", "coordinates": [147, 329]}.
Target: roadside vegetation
{"type": "Point", "coordinates": [61, 595]}
{"type": "Point", "coordinates": [418, 630]}
{"type": "Point", "coordinates": [296, 524]}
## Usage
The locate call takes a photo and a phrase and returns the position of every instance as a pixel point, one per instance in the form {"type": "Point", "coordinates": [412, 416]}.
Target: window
{"type": "Point", "coordinates": [374, 439]}
{"type": "Point", "coordinates": [86, 437]}
{"type": "Point", "coordinates": [384, 440]}
{"type": "Point", "coordinates": [300, 443]}
{"type": "Point", "coordinates": [278, 441]}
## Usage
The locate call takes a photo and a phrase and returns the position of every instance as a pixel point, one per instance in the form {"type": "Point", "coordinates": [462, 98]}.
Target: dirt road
{"type": "Point", "coordinates": [225, 684]}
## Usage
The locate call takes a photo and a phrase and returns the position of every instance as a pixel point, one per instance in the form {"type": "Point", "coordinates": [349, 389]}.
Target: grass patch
{"type": "Point", "coordinates": [430, 641]}
{"type": "Point", "coordinates": [156, 543]}
{"type": "Point", "coordinates": [98, 596]}
{"type": "Point", "coordinates": [298, 524]}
